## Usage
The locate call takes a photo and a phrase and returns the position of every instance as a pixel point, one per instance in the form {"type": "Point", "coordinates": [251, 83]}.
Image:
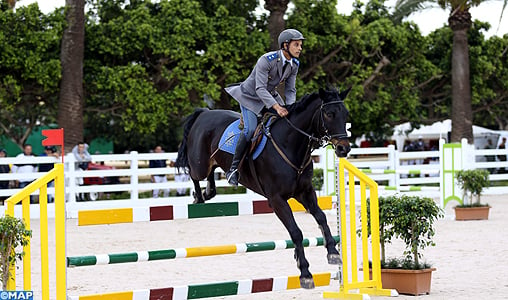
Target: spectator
{"type": "Point", "coordinates": [180, 176]}
{"type": "Point", "coordinates": [158, 178]}
{"type": "Point", "coordinates": [4, 169]}
{"type": "Point", "coordinates": [490, 158]}
{"type": "Point", "coordinates": [82, 156]}
{"type": "Point", "coordinates": [420, 145]}
{"type": "Point", "coordinates": [408, 146]}
{"type": "Point", "coordinates": [503, 156]}
{"type": "Point", "coordinates": [25, 168]}
{"type": "Point", "coordinates": [49, 151]}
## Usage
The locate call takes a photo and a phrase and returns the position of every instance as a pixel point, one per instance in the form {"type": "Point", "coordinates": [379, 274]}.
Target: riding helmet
{"type": "Point", "coordinates": [289, 35]}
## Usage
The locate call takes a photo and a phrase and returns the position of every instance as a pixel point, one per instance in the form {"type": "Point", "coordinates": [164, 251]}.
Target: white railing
{"type": "Point", "coordinates": [397, 170]}
{"type": "Point", "coordinates": [132, 170]}
{"type": "Point", "coordinates": [393, 170]}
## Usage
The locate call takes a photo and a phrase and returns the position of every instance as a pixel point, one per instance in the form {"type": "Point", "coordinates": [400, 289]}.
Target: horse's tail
{"type": "Point", "coordinates": [182, 161]}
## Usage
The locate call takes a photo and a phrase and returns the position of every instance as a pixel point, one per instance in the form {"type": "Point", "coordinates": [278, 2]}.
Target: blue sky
{"type": "Point", "coordinates": [427, 20]}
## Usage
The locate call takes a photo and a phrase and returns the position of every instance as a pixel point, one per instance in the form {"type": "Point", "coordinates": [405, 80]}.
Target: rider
{"type": "Point", "coordinates": [259, 90]}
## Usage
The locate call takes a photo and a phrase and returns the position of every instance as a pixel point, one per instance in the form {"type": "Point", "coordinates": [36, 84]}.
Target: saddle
{"type": "Point", "coordinates": [264, 124]}
{"type": "Point", "coordinates": [230, 136]}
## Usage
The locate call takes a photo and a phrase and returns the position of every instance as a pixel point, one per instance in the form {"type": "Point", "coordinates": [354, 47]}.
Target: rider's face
{"type": "Point", "coordinates": [295, 48]}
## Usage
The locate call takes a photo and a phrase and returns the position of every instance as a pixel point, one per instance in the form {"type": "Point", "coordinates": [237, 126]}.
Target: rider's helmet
{"type": "Point", "coordinates": [289, 35]}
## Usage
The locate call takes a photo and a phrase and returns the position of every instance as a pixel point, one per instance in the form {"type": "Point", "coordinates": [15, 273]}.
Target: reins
{"type": "Point", "coordinates": [300, 169]}
{"type": "Point", "coordinates": [320, 141]}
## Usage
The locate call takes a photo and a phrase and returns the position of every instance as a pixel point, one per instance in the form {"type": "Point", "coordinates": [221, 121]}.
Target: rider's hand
{"type": "Point", "coordinates": [280, 110]}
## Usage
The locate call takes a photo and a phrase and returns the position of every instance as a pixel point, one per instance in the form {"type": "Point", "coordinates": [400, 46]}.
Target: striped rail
{"type": "Point", "coordinates": [106, 259]}
{"type": "Point", "coordinates": [190, 211]}
{"type": "Point", "coordinates": [218, 289]}
{"type": "Point", "coordinates": [408, 188]}
{"type": "Point", "coordinates": [404, 188]}
{"type": "Point", "coordinates": [406, 172]}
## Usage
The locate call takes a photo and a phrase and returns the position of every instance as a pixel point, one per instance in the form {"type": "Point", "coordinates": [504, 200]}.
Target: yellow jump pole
{"type": "Point", "coordinates": [61, 269]}
{"type": "Point", "coordinates": [353, 288]}
{"type": "Point", "coordinates": [43, 202]}
{"type": "Point", "coordinates": [27, 265]}
{"type": "Point", "coordinates": [11, 283]}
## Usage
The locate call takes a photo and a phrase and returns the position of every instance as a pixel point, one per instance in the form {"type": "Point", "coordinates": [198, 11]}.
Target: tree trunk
{"type": "Point", "coordinates": [462, 116]}
{"type": "Point", "coordinates": [7, 5]}
{"type": "Point", "coordinates": [70, 106]}
{"type": "Point", "coordinates": [414, 246]}
{"type": "Point", "coordinates": [276, 23]}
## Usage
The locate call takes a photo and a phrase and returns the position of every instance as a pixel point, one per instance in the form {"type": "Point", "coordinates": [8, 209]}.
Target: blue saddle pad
{"type": "Point", "coordinates": [229, 139]}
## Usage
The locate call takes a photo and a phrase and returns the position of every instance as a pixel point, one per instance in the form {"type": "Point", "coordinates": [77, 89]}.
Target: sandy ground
{"type": "Point", "coordinates": [471, 257]}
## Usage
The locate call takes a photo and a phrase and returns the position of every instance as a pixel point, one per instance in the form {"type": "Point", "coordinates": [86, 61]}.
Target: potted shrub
{"type": "Point", "coordinates": [317, 179]}
{"type": "Point", "coordinates": [13, 233]}
{"type": "Point", "coordinates": [472, 182]}
{"type": "Point", "coordinates": [411, 219]}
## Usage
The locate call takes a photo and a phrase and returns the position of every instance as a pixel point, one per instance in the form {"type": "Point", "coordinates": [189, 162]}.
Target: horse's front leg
{"type": "Point", "coordinates": [309, 200]}
{"type": "Point", "coordinates": [284, 213]}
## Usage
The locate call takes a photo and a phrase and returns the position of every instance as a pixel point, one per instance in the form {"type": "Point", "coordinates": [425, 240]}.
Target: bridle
{"type": "Point", "coordinates": [326, 139]}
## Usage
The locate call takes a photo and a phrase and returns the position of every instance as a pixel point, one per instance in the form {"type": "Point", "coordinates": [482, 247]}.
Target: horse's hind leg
{"type": "Point", "coordinates": [198, 195]}
{"type": "Point", "coordinates": [310, 203]}
{"type": "Point", "coordinates": [210, 190]}
{"type": "Point", "coordinates": [285, 215]}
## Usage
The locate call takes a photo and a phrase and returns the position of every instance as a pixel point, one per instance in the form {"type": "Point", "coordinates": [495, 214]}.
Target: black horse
{"type": "Point", "coordinates": [283, 170]}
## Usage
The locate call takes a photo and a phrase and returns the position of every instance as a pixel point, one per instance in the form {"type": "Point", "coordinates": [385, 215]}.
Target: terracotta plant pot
{"type": "Point", "coordinates": [472, 213]}
{"type": "Point", "coordinates": [412, 282]}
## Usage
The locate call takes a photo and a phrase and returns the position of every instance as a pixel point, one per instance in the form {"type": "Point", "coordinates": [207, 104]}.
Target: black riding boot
{"type": "Point", "coordinates": [232, 174]}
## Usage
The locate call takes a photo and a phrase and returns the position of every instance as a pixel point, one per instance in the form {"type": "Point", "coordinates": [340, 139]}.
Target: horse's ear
{"type": "Point", "coordinates": [344, 94]}
{"type": "Point", "coordinates": [322, 93]}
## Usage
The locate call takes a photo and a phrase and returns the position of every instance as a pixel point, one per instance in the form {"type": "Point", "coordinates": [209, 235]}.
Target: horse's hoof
{"type": "Point", "coordinates": [307, 283]}
{"type": "Point", "coordinates": [334, 259]}
{"type": "Point", "coordinates": [196, 199]}
{"type": "Point", "coordinates": [209, 196]}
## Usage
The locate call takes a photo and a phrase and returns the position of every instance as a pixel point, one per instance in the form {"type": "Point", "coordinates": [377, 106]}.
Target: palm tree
{"type": "Point", "coordinates": [459, 22]}
{"type": "Point", "coordinates": [70, 106]}
{"type": "Point", "coordinates": [276, 23]}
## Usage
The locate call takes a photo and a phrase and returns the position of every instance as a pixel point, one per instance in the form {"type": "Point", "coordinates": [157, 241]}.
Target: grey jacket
{"type": "Point", "coordinates": [259, 89]}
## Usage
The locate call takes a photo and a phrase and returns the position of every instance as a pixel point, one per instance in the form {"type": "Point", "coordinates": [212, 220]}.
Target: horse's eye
{"type": "Point", "coordinates": [330, 115]}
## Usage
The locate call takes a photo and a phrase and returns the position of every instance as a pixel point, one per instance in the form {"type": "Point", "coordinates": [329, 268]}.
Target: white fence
{"type": "Point", "coordinates": [420, 171]}
{"type": "Point", "coordinates": [394, 171]}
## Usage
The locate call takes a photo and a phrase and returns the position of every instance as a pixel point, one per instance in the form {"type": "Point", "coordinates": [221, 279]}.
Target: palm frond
{"type": "Point", "coordinates": [404, 8]}
{"type": "Point", "coordinates": [501, 16]}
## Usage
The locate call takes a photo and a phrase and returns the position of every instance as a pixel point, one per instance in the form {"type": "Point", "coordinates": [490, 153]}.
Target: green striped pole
{"type": "Point", "coordinates": [116, 258]}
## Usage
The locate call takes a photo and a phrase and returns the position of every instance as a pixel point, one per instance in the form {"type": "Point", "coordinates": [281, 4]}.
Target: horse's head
{"type": "Point", "coordinates": [333, 119]}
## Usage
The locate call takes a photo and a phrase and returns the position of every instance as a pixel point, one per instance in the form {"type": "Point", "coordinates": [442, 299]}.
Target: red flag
{"type": "Point", "coordinates": [54, 137]}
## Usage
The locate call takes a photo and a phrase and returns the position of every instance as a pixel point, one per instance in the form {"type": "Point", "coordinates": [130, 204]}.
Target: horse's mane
{"type": "Point", "coordinates": [303, 103]}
